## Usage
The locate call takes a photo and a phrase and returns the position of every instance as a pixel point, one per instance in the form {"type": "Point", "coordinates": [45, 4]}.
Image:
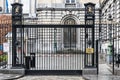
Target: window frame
{"type": "Point", "coordinates": [70, 2]}
{"type": "Point", "coordinates": [70, 34]}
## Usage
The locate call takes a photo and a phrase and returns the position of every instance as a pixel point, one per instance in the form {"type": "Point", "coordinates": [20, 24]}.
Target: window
{"type": "Point", "coordinates": [67, 1]}
{"type": "Point", "coordinates": [69, 34]}
{"type": "Point", "coordinates": [70, 1]}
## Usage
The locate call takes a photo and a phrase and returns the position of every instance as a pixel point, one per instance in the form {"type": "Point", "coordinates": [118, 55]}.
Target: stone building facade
{"type": "Point", "coordinates": [59, 13]}
{"type": "Point", "coordinates": [53, 12]}
{"type": "Point", "coordinates": [110, 7]}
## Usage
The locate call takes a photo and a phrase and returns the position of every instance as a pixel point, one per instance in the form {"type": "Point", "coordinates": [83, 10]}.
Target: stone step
{"type": "Point", "coordinates": [16, 70]}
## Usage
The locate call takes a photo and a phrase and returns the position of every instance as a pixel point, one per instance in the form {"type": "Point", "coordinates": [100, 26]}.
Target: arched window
{"type": "Point", "coordinates": [69, 21]}
{"type": "Point", "coordinates": [69, 34]}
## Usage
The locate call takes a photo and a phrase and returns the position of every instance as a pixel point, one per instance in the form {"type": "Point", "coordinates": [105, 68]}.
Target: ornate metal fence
{"type": "Point", "coordinates": [5, 28]}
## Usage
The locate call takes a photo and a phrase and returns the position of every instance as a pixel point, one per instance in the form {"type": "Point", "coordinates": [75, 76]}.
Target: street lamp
{"type": "Point", "coordinates": [110, 27]}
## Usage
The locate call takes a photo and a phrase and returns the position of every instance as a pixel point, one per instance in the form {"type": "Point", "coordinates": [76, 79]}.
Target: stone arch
{"type": "Point", "coordinates": [70, 16]}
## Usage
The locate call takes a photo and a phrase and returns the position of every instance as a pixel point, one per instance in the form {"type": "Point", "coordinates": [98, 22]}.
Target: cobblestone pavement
{"type": "Point", "coordinates": [52, 78]}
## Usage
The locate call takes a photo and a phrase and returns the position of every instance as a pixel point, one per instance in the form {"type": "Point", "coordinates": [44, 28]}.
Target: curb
{"type": "Point", "coordinates": [12, 74]}
{"type": "Point", "coordinates": [13, 78]}
{"type": "Point", "coordinates": [3, 63]}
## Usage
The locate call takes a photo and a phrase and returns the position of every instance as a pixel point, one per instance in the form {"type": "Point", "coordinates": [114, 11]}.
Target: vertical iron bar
{"type": "Point", "coordinates": [93, 36]}
{"type": "Point", "coordinates": [97, 58]}
{"type": "Point", "coordinates": [113, 50]}
{"type": "Point", "coordinates": [85, 48]}
{"type": "Point", "coordinates": [118, 41]}
{"type": "Point", "coordinates": [21, 45]}
{"type": "Point", "coordinates": [13, 45]}
{"type": "Point", "coordinates": [50, 31]}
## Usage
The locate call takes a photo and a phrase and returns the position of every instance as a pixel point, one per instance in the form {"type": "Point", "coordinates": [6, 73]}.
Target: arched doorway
{"type": "Point", "coordinates": [69, 37]}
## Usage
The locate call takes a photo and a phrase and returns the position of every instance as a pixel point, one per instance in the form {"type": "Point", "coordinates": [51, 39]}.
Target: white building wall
{"type": "Point", "coordinates": [111, 7]}
{"type": "Point", "coordinates": [1, 5]}
{"type": "Point", "coordinates": [30, 5]}
{"type": "Point", "coordinates": [26, 6]}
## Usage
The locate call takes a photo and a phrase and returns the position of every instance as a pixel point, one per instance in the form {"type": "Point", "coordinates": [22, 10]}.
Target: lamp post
{"type": "Point", "coordinates": [110, 46]}
{"type": "Point", "coordinates": [110, 28]}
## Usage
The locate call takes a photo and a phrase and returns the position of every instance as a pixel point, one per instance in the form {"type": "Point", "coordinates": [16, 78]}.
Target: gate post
{"type": "Point", "coordinates": [90, 67]}
{"type": "Point", "coordinates": [16, 21]}
{"type": "Point", "coordinates": [89, 36]}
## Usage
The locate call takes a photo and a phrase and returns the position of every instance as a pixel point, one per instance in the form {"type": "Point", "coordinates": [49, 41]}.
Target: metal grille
{"type": "Point", "coordinates": [54, 42]}
{"type": "Point", "coordinates": [48, 47]}
{"type": "Point", "coordinates": [5, 29]}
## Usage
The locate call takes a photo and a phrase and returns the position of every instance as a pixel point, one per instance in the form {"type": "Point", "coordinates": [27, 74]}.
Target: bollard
{"type": "Point", "coordinates": [27, 62]}
{"type": "Point", "coordinates": [32, 55]}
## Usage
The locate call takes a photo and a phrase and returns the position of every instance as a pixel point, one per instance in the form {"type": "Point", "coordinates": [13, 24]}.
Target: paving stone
{"type": "Point", "coordinates": [104, 74]}
{"type": "Point", "coordinates": [100, 77]}
{"type": "Point", "coordinates": [52, 78]}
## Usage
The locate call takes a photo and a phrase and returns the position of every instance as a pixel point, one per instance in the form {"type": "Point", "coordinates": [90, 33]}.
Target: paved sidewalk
{"type": "Point", "coordinates": [52, 78]}
{"type": "Point", "coordinates": [102, 77]}
{"type": "Point", "coordinates": [104, 74]}
{"type": "Point", "coordinates": [9, 76]}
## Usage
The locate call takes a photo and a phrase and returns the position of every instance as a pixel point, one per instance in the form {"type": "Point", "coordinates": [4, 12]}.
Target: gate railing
{"type": "Point", "coordinates": [51, 43]}
{"type": "Point", "coordinates": [27, 39]}
{"type": "Point", "coordinates": [5, 28]}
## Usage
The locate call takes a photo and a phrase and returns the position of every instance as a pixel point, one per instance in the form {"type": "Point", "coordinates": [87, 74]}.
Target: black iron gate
{"type": "Point", "coordinates": [43, 47]}
{"type": "Point", "coordinates": [53, 48]}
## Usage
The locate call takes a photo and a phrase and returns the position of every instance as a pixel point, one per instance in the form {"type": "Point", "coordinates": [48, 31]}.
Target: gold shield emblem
{"type": "Point", "coordinates": [89, 9]}
{"type": "Point", "coordinates": [17, 9]}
